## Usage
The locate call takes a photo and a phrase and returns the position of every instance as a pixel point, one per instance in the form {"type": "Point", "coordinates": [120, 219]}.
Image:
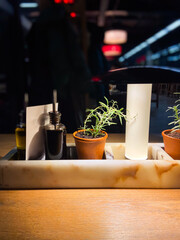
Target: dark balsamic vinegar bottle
{"type": "Point", "coordinates": [55, 137]}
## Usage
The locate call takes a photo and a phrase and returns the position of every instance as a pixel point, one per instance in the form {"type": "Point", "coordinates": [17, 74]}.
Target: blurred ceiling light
{"type": "Point", "coordinates": [121, 59]}
{"type": "Point", "coordinates": [143, 45]}
{"type": "Point", "coordinates": [28, 5]}
{"type": "Point", "coordinates": [173, 58]}
{"type": "Point", "coordinates": [164, 52]}
{"type": "Point", "coordinates": [161, 33]}
{"type": "Point", "coordinates": [156, 56]}
{"type": "Point", "coordinates": [173, 49]}
{"type": "Point", "coordinates": [154, 38]}
{"type": "Point", "coordinates": [173, 25]}
{"type": "Point", "coordinates": [151, 40]}
{"type": "Point", "coordinates": [115, 36]}
{"type": "Point", "coordinates": [111, 50]}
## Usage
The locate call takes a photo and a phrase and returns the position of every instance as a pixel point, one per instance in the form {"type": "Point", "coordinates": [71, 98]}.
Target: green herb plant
{"type": "Point", "coordinates": [102, 116]}
{"type": "Point", "coordinates": [176, 115]}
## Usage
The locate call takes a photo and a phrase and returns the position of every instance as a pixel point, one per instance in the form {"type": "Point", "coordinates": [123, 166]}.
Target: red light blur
{"type": "Point", "coordinates": [115, 48]}
{"type": "Point", "coordinates": [57, 1]}
{"type": "Point", "coordinates": [64, 1]}
{"type": "Point", "coordinates": [73, 14]}
{"type": "Point", "coordinates": [141, 59]}
{"type": "Point", "coordinates": [96, 79]}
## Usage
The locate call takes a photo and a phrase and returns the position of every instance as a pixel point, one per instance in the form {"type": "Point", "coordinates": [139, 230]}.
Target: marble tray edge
{"type": "Point", "coordinates": [160, 172]}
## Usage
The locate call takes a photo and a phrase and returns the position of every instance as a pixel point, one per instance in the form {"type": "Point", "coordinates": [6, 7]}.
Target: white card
{"type": "Point", "coordinates": [36, 118]}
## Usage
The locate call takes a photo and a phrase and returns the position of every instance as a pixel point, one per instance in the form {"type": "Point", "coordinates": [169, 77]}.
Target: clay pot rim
{"type": "Point", "coordinates": [169, 130]}
{"type": "Point", "coordinates": [90, 139]}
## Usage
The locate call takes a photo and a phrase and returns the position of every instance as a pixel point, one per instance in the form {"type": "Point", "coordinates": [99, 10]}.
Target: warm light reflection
{"type": "Point", "coordinates": [115, 37]}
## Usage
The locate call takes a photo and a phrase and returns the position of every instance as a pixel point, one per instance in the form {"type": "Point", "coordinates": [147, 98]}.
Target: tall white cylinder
{"type": "Point", "coordinates": [137, 124]}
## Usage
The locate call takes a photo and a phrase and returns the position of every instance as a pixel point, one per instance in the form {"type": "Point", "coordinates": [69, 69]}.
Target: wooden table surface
{"type": "Point", "coordinates": [88, 214]}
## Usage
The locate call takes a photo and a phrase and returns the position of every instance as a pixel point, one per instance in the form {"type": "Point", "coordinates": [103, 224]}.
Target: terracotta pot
{"type": "Point", "coordinates": [171, 144]}
{"type": "Point", "coordinates": [90, 148]}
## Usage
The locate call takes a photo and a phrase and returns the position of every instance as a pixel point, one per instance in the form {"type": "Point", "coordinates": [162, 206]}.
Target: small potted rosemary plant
{"type": "Point", "coordinates": [171, 137]}
{"type": "Point", "coordinates": [90, 139]}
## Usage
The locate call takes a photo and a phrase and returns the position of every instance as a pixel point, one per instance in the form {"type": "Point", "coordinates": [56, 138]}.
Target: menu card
{"type": "Point", "coordinates": [36, 118]}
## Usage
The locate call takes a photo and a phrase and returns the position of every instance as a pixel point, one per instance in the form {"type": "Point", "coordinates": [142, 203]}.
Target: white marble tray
{"type": "Point", "coordinates": [160, 171]}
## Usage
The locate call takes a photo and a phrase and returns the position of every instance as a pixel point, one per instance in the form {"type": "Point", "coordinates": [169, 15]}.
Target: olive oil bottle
{"type": "Point", "coordinates": [20, 131]}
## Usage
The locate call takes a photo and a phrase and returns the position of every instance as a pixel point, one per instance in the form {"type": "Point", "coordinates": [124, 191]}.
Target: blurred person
{"type": "Point", "coordinates": [57, 62]}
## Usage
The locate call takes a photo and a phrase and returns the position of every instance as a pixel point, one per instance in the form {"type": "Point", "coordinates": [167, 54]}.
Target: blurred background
{"type": "Point", "coordinates": [69, 44]}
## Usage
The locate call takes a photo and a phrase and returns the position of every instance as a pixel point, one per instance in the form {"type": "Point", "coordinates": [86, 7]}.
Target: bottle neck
{"type": "Point", "coordinates": [55, 117]}
{"type": "Point", "coordinates": [22, 117]}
